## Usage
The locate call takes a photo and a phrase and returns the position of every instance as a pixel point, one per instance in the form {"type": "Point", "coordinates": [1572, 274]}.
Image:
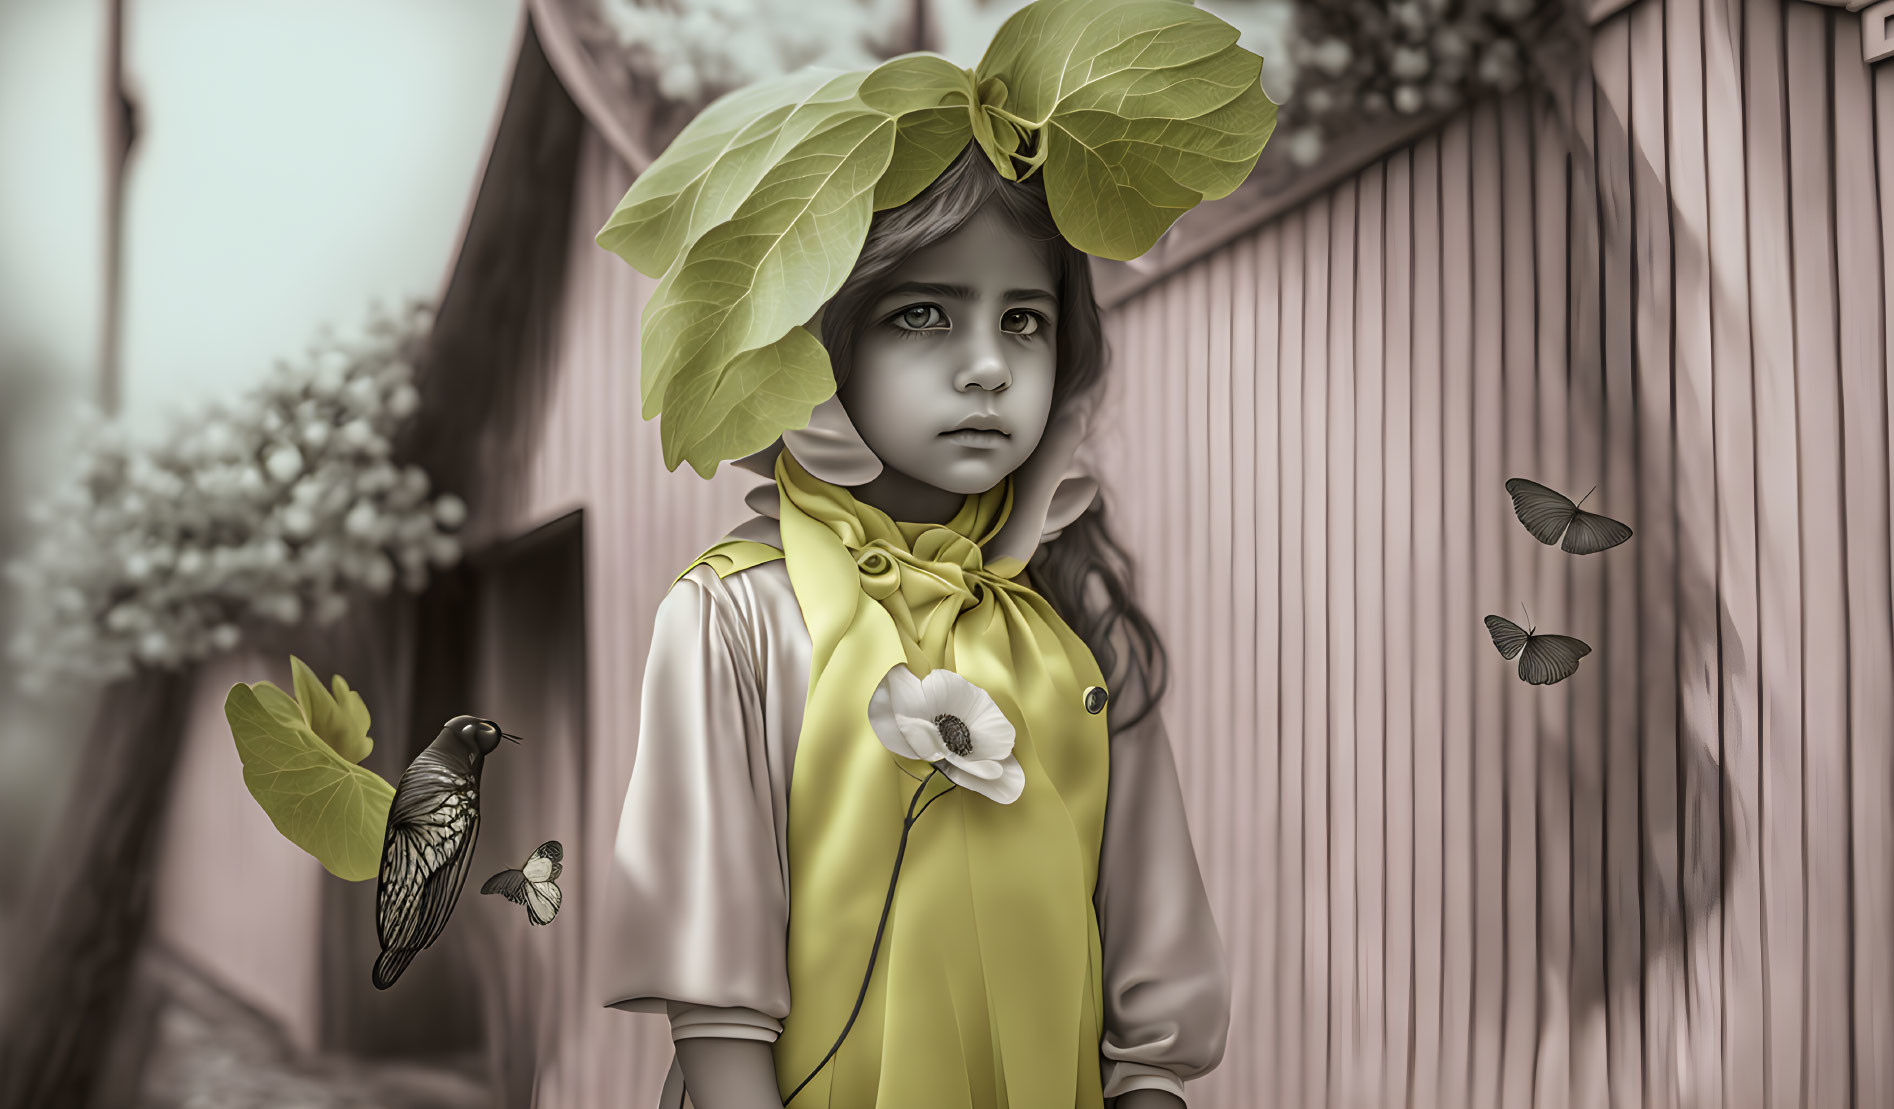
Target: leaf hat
{"type": "Point", "coordinates": [1134, 112]}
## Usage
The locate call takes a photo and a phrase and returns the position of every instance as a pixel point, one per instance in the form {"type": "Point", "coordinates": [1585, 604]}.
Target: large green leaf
{"type": "Point", "coordinates": [786, 250]}
{"type": "Point", "coordinates": [743, 409]}
{"type": "Point", "coordinates": [715, 163]}
{"type": "Point", "coordinates": [931, 101]}
{"type": "Point", "coordinates": [1143, 109]}
{"type": "Point", "coordinates": [340, 720]}
{"type": "Point", "coordinates": [329, 807]}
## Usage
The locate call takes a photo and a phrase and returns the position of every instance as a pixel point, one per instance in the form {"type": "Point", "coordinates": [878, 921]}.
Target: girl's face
{"type": "Point", "coordinates": [963, 336]}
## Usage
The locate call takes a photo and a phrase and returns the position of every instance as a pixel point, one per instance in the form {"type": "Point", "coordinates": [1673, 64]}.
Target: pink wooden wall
{"type": "Point", "coordinates": [1443, 887]}
{"type": "Point", "coordinates": [1439, 887]}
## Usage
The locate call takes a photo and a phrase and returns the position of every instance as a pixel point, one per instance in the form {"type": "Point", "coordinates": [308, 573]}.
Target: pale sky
{"type": "Point", "coordinates": [298, 159]}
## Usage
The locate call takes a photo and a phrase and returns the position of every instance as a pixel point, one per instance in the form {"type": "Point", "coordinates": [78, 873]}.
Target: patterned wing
{"type": "Point", "coordinates": [542, 901]}
{"type": "Point", "coordinates": [509, 883]}
{"type": "Point", "coordinates": [543, 865]}
{"type": "Point", "coordinates": [1545, 512]}
{"type": "Point", "coordinates": [1507, 636]}
{"type": "Point", "coordinates": [1591, 533]}
{"type": "Point", "coordinates": [1551, 658]}
{"type": "Point", "coordinates": [424, 862]}
{"type": "Point", "coordinates": [443, 889]}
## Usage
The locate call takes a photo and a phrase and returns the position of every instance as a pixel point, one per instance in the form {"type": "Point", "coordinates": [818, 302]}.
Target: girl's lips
{"type": "Point", "coordinates": [971, 437]}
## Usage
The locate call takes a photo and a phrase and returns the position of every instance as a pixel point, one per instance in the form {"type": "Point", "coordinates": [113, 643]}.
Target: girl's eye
{"type": "Point", "coordinates": [1027, 322]}
{"type": "Point", "coordinates": [921, 317]}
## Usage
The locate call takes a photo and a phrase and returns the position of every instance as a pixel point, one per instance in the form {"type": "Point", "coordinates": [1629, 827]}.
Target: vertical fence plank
{"type": "Point", "coordinates": [1430, 568]}
{"type": "Point", "coordinates": [1457, 965]}
{"type": "Point", "coordinates": [1491, 591]}
{"type": "Point", "coordinates": [1219, 683]}
{"type": "Point", "coordinates": [1270, 372]}
{"type": "Point", "coordinates": [1744, 1016]}
{"type": "Point", "coordinates": [1373, 632]}
{"type": "Point", "coordinates": [1403, 646]}
{"type": "Point", "coordinates": [1316, 734]}
{"type": "Point", "coordinates": [1586, 734]}
{"type": "Point", "coordinates": [1701, 1023]}
{"type": "Point", "coordinates": [1518, 740]}
{"type": "Point", "coordinates": [1167, 475]}
{"type": "Point", "coordinates": [1619, 650]}
{"type": "Point", "coordinates": [1198, 463]}
{"type": "Point", "coordinates": [1294, 656]}
{"type": "Point", "coordinates": [1862, 264]}
{"type": "Point", "coordinates": [1653, 558]}
{"type": "Point", "coordinates": [1552, 261]}
{"type": "Point", "coordinates": [1341, 685]}
{"type": "Point", "coordinates": [1778, 477]}
{"type": "Point", "coordinates": [1823, 631]}
{"type": "Point", "coordinates": [1250, 734]}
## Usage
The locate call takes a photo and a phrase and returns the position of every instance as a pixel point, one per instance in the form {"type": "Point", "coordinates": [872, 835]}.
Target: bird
{"type": "Point", "coordinates": [429, 843]}
{"type": "Point", "coordinates": [1549, 514]}
{"type": "Point", "coordinates": [535, 884]}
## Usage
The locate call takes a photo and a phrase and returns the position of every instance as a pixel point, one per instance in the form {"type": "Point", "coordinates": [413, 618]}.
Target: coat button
{"type": "Point", "coordinates": [1095, 698]}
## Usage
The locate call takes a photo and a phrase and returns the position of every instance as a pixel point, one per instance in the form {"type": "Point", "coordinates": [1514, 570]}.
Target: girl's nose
{"type": "Point", "coordinates": [986, 368]}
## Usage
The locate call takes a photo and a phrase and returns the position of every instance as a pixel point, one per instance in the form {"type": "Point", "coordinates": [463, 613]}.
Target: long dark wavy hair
{"type": "Point", "coordinates": [1083, 573]}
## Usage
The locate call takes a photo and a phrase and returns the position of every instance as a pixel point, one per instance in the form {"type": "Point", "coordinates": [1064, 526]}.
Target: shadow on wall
{"type": "Point", "coordinates": [1649, 872]}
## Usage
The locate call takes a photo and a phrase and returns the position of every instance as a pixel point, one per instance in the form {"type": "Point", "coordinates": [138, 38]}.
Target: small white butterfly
{"type": "Point", "coordinates": [534, 884]}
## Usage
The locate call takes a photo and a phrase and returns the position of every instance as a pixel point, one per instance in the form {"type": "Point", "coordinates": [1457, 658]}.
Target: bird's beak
{"type": "Point", "coordinates": [514, 738]}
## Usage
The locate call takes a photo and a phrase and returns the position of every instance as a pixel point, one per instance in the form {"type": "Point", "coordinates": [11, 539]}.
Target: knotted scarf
{"type": "Point", "coordinates": [986, 993]}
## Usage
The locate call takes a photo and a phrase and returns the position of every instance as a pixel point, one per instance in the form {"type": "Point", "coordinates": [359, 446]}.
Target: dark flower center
{"type": "Point", "coordinates": [955, 734]}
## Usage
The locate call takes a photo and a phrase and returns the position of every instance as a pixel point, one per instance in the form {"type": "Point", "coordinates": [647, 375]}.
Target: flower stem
{"type": "Point", "coordinates": [907, 825]}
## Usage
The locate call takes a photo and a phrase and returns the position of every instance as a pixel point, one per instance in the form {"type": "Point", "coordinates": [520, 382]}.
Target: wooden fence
{"type": "Point", "coordinates": [1667, 881]}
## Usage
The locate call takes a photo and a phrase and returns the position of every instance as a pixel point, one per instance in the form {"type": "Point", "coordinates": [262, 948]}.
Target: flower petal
{"type": "Point", "coordinates": [941, 691]}
{"type": "Point", "coordinates": [987, 769]}
{"type": "Point", "coordinates": [884, 713]}
{"type": "Point", "coordinates": [921, 737]}
{"type": "Point", "coordinates": [993, 733]}
{"type": "Point", "coordinates": [1005, 789]}
{"type": "Point", "coordinates": [906, 687]}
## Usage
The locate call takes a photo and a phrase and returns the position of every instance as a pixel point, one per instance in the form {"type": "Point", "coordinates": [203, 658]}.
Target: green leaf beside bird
{"type": "Point", "coordinates": [299, 762]}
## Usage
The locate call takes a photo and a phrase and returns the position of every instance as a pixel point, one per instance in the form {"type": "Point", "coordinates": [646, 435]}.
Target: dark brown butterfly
{"type": "Point", "coordinates": [1543, 659]}
{"type": "Point", "coordinates": [1549, 514]}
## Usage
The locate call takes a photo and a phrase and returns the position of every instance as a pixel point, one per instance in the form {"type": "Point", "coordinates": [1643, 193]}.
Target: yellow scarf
{"type": "Point", "coordinates": [986, 992]}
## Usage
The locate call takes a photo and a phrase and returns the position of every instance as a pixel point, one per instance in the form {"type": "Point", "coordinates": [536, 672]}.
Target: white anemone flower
{"type": "Point", "coordinates": [946, 720]}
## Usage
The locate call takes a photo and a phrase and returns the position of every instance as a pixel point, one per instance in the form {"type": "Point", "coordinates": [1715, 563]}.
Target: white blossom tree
{"type": "Point", "coordinates": [277, 508]}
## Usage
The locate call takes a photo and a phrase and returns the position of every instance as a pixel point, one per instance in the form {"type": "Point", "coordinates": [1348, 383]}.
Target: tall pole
{"type": "Point", "coordinates": [121, 135]}
{"type": "Point", "coordinates": [62, 1015]}
{"type": "Point", "coordinates": [919, 39]}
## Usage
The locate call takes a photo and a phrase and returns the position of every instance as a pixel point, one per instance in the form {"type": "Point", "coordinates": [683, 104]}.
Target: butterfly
{"type": "Point", "coordinates": [1548, 514]}
{"type": "Point", "coordinates": [533, 885]}
{"type": "Point", "coordinates": [1543, 659]}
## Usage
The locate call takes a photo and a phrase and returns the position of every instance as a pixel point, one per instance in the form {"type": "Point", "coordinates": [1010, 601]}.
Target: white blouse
{"type": "Point", "coordinates": [700, 908]}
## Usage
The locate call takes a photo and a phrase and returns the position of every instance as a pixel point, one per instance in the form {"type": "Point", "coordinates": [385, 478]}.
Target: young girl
{"type": "Point", "coordinates": [1052, 950]}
